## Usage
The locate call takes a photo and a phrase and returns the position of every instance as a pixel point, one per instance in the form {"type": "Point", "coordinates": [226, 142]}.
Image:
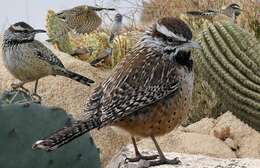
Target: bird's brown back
{"type": "Point", "coordinates": [141, 79]}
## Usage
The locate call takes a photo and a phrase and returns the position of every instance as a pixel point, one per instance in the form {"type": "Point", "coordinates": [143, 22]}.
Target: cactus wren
{"type": "Point", "coordinates": [233, 11]}
{"type": "Point", "coordinates": [116, 26]}
{"type": "Point", "coordinates": [115, 29]}
{"type": "Point", "coordinates": [82, 19]}
{"type": "Point", "coordinates": [148, 94]}
{"type": "Point", "coordinates": [29, 60]}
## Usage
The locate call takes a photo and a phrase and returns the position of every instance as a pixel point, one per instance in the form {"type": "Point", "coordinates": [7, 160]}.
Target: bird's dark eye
{"type": "Point", "coordinates": [169, 40]}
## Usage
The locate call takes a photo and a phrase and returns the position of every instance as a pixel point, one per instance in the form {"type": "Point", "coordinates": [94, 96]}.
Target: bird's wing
{"type": "Point", "coordinates": [139, 81]}
{"type": "Point", "coordinates": [194, 13]}
{"type": "Point", "coordinates": [202, 13]}
{"type": "Point", "coordinates": [45, 54]}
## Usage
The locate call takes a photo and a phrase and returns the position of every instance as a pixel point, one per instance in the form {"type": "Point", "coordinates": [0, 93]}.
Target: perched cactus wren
{"type": "Point", "coordinates": [29, 60]}
{"type": "Point", "coordinates": [82, 19]}
{"type": "Point", "coordinates": [232, 11]}
{"type": "Point", "coordinates": [148, 94]}
{"type": "Point", "coordinates": [115, 29]}
{"type": "Point", "coordinates": [116, 26]}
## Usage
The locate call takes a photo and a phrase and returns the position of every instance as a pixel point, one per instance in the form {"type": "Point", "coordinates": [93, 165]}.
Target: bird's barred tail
{"type": "Point", "coordinates": [65, 135]}
{"type": "Point", "coordinates": [74, 76]}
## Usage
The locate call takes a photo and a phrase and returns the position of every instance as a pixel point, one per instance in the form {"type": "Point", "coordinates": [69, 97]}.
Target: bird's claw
{"type": "Point", "coordinates": [36, 98]}
{"type": "Point", "coordinates": [141, 157]}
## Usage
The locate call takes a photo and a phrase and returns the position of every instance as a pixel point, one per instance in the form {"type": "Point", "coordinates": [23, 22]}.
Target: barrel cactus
{"type": "Point", "coordinates": [122, 45]}
{"type": "Point", "coordinates": [95, 42]}
{"type": "Point", "coordinates": [58, 33]}
{"type": "Point", "coordinates": [22, 125]}
{"type": "Point", "coordinates": [230, 62]}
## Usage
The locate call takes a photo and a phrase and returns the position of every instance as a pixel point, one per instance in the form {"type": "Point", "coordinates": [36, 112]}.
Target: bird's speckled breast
{"type": "Point", "coordinates": [23, 64]}
{"type": "Point", "coordinates": [165, 115]}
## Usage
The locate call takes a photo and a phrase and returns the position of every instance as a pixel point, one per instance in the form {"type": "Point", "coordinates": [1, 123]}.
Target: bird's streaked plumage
{"type": "Point", "coordinates": [233, 11]}
{"type": "Point", "coordinates": [28, 59]}
{"type": "Point", "coordinates": [149, 92]}
{"type": "Point", "coordinates": [82, 19]}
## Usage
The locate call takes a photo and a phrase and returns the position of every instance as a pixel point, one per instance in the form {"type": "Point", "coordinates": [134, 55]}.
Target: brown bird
{"type": "Point", "coordinates": [148, 94]}
{"type": "Point", "coordinates": [29, 60]}
{"type": "Point", "coordinates": [233, 11]}
{"type": "Point", "coordinates": [83, 18]}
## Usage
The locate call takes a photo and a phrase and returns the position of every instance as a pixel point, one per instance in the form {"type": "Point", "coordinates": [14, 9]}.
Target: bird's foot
{"type": "Point", "coordinates": [36, 98]}
{"type": "Point", "coordinates": [150, 163]}
{"type": "Point", "coordinates": [19, 87]}
{"type": "Point", "coordinates": [141, 157]}
{"type": "Point", "coordinates": [163, 161]}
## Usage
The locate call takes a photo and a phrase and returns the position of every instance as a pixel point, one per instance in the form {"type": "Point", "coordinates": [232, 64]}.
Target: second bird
{"type": "Point", "coordinates": [29, 60]}
{"type": "Point", "coordinates": [116, 26]}
{"type": "Point", "coordinates": [82, 19]}
{"type": "Point", "coordinates": [233, 11]}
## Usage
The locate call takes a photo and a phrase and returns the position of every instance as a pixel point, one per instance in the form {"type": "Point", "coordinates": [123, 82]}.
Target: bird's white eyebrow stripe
{"type": "Point", "coordinates": [162, 29]}
{"type": "Point", "coordinates": [236, 6]}
{"type": "Point", "coordinates": [17, 27]}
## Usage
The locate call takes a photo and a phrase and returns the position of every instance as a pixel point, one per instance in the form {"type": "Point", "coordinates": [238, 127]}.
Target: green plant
{"type": "Point", "coordinates": [229, 61]}
{"type": "Point", "coordinates": [22, 125]}
{"type": "Point", "coordinates": [69, 42]}
{"type": "Point", "coordinates": [58, 33]}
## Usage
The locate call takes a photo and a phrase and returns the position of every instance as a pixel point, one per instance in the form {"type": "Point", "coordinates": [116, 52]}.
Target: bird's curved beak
{"type": "Point", "coordinates": [39, 31]}
{"type": "Point", "coordinates": [59, 13]}
{"type": "Point", "coordinates": [192, 44]}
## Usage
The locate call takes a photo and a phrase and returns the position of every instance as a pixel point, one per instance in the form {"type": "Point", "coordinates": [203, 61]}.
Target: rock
{"type": "Point", "coordinates": [192, 143]}
{"type": "Point", "coordinates": [232, 144]}
{"type": "Point", "coordinates": [249, 146]}
{"type": "Point", "coordinates": [187, 161]}
{"type": "Point", "coordinates": [238, 129]}
{"type": "Point", "coordinates": [203, 126]}
{"type": "Point", "coordinates": [246, 139]}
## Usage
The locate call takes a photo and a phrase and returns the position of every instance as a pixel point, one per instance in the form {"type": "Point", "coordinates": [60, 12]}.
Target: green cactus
{"type": "Point", "coordinates": [22, 125]}
{"type": "Point", "coordinates": [121, 45]}
{"type": "Point", "coordinates": [97, 41]}
{"type": "Point", "coordinates": [230, 63]}
{"type": "Point", "coordinates": [58, 32]}
{"type": "Point", "coordinates": [70, 42]}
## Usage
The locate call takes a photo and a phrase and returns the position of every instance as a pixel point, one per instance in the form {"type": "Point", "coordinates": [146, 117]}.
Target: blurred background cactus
{"type": "Point", "coordinates": [249, 18]}
{"type": "Point", "coordinates": [22, 125]}
{"type": "Point", "coordinates": [87, 46]}
{"type": "Point", "coordinates": [230, 64]}
{"type": "Point", "coordinates": [58, 33]}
